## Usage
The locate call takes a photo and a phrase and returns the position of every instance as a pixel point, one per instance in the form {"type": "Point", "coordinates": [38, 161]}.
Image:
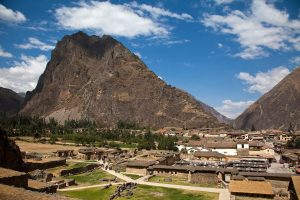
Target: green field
{"type": "Point", "coordinates": [132, 176]}
{"type": "Point", "coordinates": [178, 181]}
{"type": "Point", "coordinates": [70, 165]}
{"type": "Point", "coordinates": [90, 178]}
{"type": "Point", "coordinates": [142, 192]}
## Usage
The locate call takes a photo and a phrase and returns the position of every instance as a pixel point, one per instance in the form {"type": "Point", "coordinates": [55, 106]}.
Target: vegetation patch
{"type": "Point", "coordinates": [133, 176]}
{"type": "Point", "coordinates": [143, 192]}
{"type": "Point", "coordinates": [91, 178]}
{"type": "Point", "coordinates": [177, 181]}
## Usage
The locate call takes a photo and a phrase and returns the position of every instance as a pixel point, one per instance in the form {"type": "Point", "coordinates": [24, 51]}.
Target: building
{"type": "Point", "coordinates": [209, 156]}
{"type": "Point", "coordinates": [260, 189]}
{"type": "Point", "coordinates": [294, 188]}
{"type": "Point", "coordinates": [139, 167]}
{"type": "Point", "coordinates": [249, 164]}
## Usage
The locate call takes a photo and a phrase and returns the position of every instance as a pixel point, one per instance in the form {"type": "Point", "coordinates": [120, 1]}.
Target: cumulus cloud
{"type": "Point", "coordinates": [157, 12]}
{"type": "Point", "coordinates": [258, 29]}
{"type": "Point", "coordinates": [108, 18]}
{"type": "Point", "coordinates": [5, 54]}
{"type": "Point", "coordinates": [223, 1]}
{"type": "Point", "coordinates": [296, 60]}
{"type": "Point", "coordinates": [233, 109]}
{"type": "Point", "coordinates": [23, 75]}
{"type": "Point", "coordinates": [10, 16]}
{"type": "Point", "coordinates": [34, 43]}
{"type": "Point", "coordinates": [262, 82]}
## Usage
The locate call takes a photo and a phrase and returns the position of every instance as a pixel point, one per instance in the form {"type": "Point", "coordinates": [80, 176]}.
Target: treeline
{"type": "Point", "coordinates": [88, 133]}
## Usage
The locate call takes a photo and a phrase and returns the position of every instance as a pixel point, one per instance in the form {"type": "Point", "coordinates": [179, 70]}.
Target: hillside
{"type": "Point", "coordinates": [10, 101]}
{"type": "Point", "coordinates": [277, 108]}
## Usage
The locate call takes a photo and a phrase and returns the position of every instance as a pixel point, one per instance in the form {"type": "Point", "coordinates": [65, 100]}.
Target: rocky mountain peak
{"type": "Point", "coordinates": [100, 79]}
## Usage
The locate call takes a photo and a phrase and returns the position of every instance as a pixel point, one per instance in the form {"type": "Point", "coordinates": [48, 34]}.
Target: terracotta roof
{"type": "Point", "coordinates": [296, 183]}
{"type": "Point", "coordinates": [208, 144]}
{"type": "Point", "coordinates": [251, 187]}
{"type": "Point", "coordinates": [209, 154]}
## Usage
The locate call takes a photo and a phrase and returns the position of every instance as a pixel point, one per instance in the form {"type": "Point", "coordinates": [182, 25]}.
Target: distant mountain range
{"type": "Point", "coordinates": [278, 108]}
{"type": "Point", "coordinates": [10, 101]}
{"type": "Point", "coordinates": [97, 78]}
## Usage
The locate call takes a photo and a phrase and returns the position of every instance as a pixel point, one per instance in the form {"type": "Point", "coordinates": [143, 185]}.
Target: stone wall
{"type": "Point", "coordinates": [171, 173]}
{"type": "Point", "coordinates": [33, 165]}
{"type": "Point", "coordinates": [204, 178]}
{"type": "Point", "coordinates": [17, 181]}
{"type": "Point", "coordinates": [79, 170]}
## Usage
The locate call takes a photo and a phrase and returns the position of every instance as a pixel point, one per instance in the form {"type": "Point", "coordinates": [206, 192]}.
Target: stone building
{"type": "Point", "coordinates": [139, 167]}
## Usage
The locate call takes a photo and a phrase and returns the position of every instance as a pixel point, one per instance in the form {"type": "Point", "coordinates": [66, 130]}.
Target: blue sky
{"type": "Point", "coordinates": [226, 53]}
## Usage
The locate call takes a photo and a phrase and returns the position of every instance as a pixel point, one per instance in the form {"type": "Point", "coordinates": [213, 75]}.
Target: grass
{"type": "Point", "coordinates": [143, 192]}
{"type": "Point", "coordinates": [91, 178]}
{"type": "Point", "coordinates": [133, 176]}
{"type": "Point", "coordinates": [178, 181]}
{"type": "Point", "coordinates": [71, 165]}
{"type": "Point", "coordinates": [90, 194]}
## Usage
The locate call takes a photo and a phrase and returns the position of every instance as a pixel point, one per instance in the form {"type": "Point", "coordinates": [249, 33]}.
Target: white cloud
{"type": "Point", "coordinates": [34, 43]}
{"type": "Point", "coordinates": [108, 18]}
{"type": "Point", "coordinates": [262, 82]}
{"type": "Point", "coordinates": [138, 54]}
{"type": "Point", "coordinates": [233, 109]}
{"type": "Point", "coordinates": [23, 76]}
{"type": "Point", "coordinates": [8, 15]}
{"type": "Point", "coordinates": [157, 12]}
{"type": "Point", "coordinates": [5, 54]}
{"type": "Point", "coordinates": [223, 1]}
{"type": "Point", "coordinates": [263, 27]}
{"type": "Point", "coordinates": [172, 42]}
{"type": "Point", "coordinates": [220, 45]}
{"type": "Point", "coordinates": [161, 78]}
{"type": "Point", "coordinates": [296, 60]}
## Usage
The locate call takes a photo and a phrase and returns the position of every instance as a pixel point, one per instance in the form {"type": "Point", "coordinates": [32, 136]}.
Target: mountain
{"type": "Point", "coordinates": [221, 118]}
{"type": "Point", "coordinates": [97, 78]}
{"type": "Point", "coordinates": [10, 101]}
{"type": "Point", "coordinates": [277, 108]}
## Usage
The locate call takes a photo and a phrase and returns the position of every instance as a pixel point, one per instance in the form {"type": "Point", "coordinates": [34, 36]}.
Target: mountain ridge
{"type": "Point", "coordinates": [278, 108]}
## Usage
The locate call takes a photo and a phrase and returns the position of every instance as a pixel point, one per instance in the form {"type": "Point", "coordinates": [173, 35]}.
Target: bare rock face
{"type": "Point", "coordinates": [10, 101]}
{"type": "Point", "coordinates": [10, 155]}
{"type": "Point", "coordinates": [95, 78]}
{"type": "Point", "coordinates": [277, 108]}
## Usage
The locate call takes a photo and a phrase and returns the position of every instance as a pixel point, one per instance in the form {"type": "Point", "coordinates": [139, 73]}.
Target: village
{"type": "Point", "coordinates": [222, 164]}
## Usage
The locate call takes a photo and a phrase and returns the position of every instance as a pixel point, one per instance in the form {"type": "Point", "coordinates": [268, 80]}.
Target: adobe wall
{"type": "Point", "coordinates": [79, 170]}
{"type": "Point", "coordinates": [204, 178]}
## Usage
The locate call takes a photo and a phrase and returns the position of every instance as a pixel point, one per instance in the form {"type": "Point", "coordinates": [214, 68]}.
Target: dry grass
{"type": "Point", "coordinates": [43, 148]}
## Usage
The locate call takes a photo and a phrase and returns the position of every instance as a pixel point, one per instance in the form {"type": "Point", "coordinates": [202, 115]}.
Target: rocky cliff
{"type": "Point", "coordinates": [10, 101]}
{"type": "Point", "coordinates": [10, 155]}
{"type": "Point", "coordinates": [277, 108]}
{"type": "Point", "coordinates": [97, 78]}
